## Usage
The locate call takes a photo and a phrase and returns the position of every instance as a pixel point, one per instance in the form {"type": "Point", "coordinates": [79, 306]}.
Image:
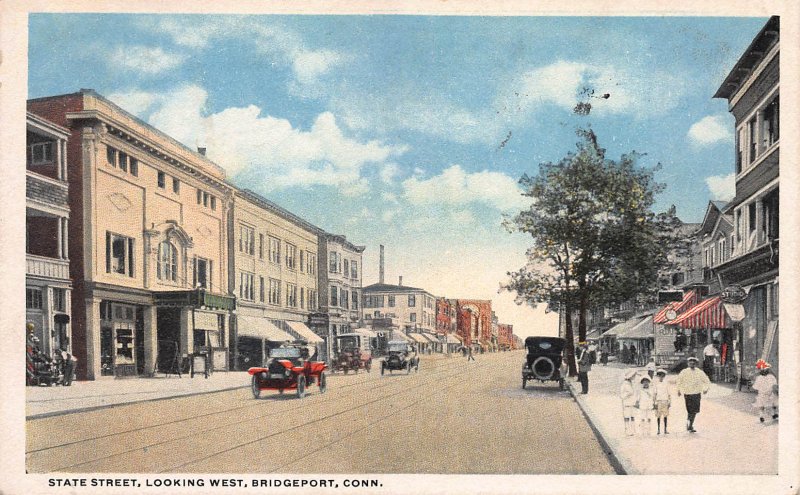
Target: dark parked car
{"type": "Point", "coordinates": [544, 360]}
{"type": "Point", "coordinates": [400, 356]}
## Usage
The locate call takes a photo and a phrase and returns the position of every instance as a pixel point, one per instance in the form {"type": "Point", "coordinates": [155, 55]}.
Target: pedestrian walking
{"type": "Point", "coordinates": [662, 398]}
{"type": "Point", "coordinates": [584, 366]}
{"type": "Point", "coordinates": [691, 383]}
{"type": "Point", "coordinates": [628, 395]}
{"type": "Point", "coordinates": [767, 387]}
{"type": "Point", "coordinates": [470, 357]}
{"type": "Point", "coordinates": [604, 357]}
{"type": "Point", "coordinates": [645, 403]}
{"type": "Point", "coordinates": [625, 354]}
{"type": "Point", "coordinates": [710, 354]}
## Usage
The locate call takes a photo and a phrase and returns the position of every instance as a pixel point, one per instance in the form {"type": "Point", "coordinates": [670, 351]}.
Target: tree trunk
{"type": "Point", "coordinates": [569, 349]}
{"type": "Point", "coordinates": [583, 304]}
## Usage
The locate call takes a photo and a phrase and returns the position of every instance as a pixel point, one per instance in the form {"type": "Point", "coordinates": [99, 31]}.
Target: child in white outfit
{"type": "Point", "coordinates": [663, 400]}
{"type": "Point", "coordinates": [628, 395]}
{"type": "Point", "coordinates": [767, 387]}
{"type": "Point", "coordinates": [646, 403]}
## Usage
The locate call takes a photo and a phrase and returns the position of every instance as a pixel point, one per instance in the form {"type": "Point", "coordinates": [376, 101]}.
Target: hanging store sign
{"type": "Point", "coordinates": [733, 294]}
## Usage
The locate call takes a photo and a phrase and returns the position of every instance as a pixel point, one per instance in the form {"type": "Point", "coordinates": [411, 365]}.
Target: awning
{"type": "Point", "coordinates": [432, 338]}
{"type": "Point", "coordinates": [305, 333]}
{"type": "Point", "coordinates": [365, 331]}
{"type": "Point", "coordinates": [678, 306]}
{"type": "Point", "coordinates": [251, 326]}
{"type": "Point", "coordinates": [643, 330]}
{"type": "Point", "coordinates": [398, 335]}
{"type": "Point", "coordinates": [419, 338]}
{"type": "Point", "coordinates": [453, 339]}
{"type": "Point", "coordinates": [624, 326]}
{"type": "Point", "coordinates": [707, 314]}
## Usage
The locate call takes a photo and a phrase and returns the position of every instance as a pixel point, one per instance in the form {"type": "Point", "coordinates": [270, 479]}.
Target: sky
{"type": "Point", "coordinates": [412, 131]}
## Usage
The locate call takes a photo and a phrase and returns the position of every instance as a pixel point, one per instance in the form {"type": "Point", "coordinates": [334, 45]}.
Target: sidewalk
{"type": "Point", "coordinates": [729, 438]}
{"type": "Point", "coordinates": [109, 391]}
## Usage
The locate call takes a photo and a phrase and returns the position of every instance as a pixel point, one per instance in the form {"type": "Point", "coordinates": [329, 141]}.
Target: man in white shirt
{"type": "Point", "coordinates": [710, 354]}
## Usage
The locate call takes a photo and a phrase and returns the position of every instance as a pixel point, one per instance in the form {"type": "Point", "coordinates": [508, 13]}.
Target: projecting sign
{"type": "Point", "coordinates": [733, 294]}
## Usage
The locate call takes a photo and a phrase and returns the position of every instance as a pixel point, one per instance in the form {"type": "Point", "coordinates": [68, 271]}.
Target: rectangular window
{"type": "Point", "coordinates": [312, 299]}
{"type": "Point", "coordinates": [60, 300]}
{"type": "Point", "coordinates": [274, 291]}
{"type": "Point", "coordinates": [205, 199]}
{"type": "Point", "coordinates": [247, 286]}
{"type": "Point", "coordinates": [771, 127]}
{"type": "Point", "coordinates": [33, 298]}
{"type": "Point", "coordinates": [751, 131]}
{"type": "Point", "coordinates": [334, 295]}
{"type": "Point", "coordinates": [346, 270]}
{"type": "Point", "coordinates": [291, 253]}
{"type": "Point", "coordinates": [247, 240]}
{"type": "Point", "coordinates": [176, 185]}
{"type": "Point", "coordinates": [291, 295]}
{"type": "Point", "coordinates": [311, 263]}
{"type": "Point", "coordinates": [391, 301]}
{"type": "Point", "coordinates": [162, 180]}
{"type": "Point", "coordinates": [302, 296]}
{"type": "Point", "coordinates": [412, 317]}
{"type": "Point", "coordinates": [119, 254]}
{"type": "Point", "coordinates": [302, 263]}
{"type": "Point", "coordinates": [261, 246]}
{"type": "Point", "coordinates": [111, 156]}
{"type": "Point", "coordinates": [202, 273]}
{"type": "Point", "coordinates": [261, 289]}
{"type": "Point", "coordinates": [354, 300]}
{"type": "Point", "coordinates": [354, 270]}
{"type": "Point", "coordinates": [274, 249]}
{"type": "Point", "coordinates": [213, 203]}
{"type": "Point", "coordinates": [751, 217]}
{"type": "Point", "coordinates": [123, 161]}
{"type": "Point", "coordinates": [134, 167]}
{"type": "Point", "coordinates": [332, 262]}
{"type": "Point", "coordinates": [199, 197]}
{"type": "Point", "coordinates": [343, 299]}
{"type": "Point", "coordinates": [412, 300]}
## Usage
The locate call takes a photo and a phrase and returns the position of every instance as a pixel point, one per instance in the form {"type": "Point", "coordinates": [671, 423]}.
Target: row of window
{"type": "Point", "coordinates": [294, 258]}
{"type": "Point", "coordinates": [757, 222]}
{"type": "Point", "coordinates": [270, 291]}
{"type": "Point", "coordinates": [40, 153]}
{"type": "Point", "coordinates": [33, 299]}
{"type": "Point", "coordinates": [338, 264]}
{"type": "Point", "coordinates": [120, 159]}
{"type": "Point", "coordinates": [758, 134]}
{"type": "Point", "coordinates": [343, 298]}
{"type": "Point", "coordinates": [377, 301]}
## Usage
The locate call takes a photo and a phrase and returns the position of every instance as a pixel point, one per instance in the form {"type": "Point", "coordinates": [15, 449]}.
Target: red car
{"type": "Point", "coordinates": [288, 368]}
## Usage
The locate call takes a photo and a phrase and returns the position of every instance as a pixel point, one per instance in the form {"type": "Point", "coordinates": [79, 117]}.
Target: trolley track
{"type": "Point", "coordinates": [206, 424]}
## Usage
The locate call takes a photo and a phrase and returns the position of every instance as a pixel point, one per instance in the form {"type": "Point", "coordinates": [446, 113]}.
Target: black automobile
{"type": "Point", "coordinates": [544, 360]}
{"type": "Point", "coordinates": [400, 356]}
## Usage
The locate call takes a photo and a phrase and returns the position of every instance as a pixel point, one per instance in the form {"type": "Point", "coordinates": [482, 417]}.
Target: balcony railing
{"type": "Point", "coordinates": [41, 266]}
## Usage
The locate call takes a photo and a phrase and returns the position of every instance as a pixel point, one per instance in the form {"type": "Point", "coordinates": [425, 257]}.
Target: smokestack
{"type": "Point", "coordinates": [400, 282]}
{"type": "Point", "coordinates": [202, 151]}
{"type": "Point", "coordinates": [380, 268]}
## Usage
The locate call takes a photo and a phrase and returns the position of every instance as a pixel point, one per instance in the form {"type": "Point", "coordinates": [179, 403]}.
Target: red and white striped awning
{"type": "Point", "coordinates": [689, 299]}
{"type": "Point", "coordinates": [707, 314]}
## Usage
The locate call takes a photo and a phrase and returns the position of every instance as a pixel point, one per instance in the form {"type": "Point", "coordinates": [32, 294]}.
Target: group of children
{"type": "Point", "coordinates": [650, 398]}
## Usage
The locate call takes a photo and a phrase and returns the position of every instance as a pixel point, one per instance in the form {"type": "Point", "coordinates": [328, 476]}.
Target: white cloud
{"type": "Point", "coordinates": [455, 186]}
{"type": "Point", "coordinates": [710, 130]}
{"type": "Point", "coordinates": [722, 187]}
{"type": "Point", "coordinates": [144, 60]}
{"type": "Point", "coordinates": [243, 139]}
{"type": "Point", "coordinates": [389, 172]}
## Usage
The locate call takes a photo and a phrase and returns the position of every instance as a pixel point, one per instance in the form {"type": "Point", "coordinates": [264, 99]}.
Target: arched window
{"type": "Point", "coordinates": [167, 261]}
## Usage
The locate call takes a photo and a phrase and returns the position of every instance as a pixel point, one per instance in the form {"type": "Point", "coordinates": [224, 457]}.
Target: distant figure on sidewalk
{"type": "Point", "coordinates": [604, 357]}
{"type": "Point", "coordinates": [625, 354]}
{"type": "Point", "coordinates": [710, 354]}
{"type": "Point", "coordinates": [628, 395]}
{"type": "Point", "coordinates": [663, 400]}
{"type": "Point", "coordinates": [584, 366]}
{"type": "Point", "coordinates": [692, 382]}
{"type": "Point", "coordinates": [633, 354]}
{"type": "Point", "coordinates": [645, 403]}
{"type": "Point", "coordinates": [767, 387]}
{"type": "Point", "coordinates": [470, 357]}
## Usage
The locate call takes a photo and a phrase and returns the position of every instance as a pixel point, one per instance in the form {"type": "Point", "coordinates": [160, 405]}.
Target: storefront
{"type": "Point", "coordinates": [708, 323]}
{"type": "Point", "coordinates": [625, 351]}
{"type": "Point", "coordinates": [670, 342]}
{"type": "Point", "coordinates": [640, 337]}
{"type": "Point", "coordinates": [254, 336]}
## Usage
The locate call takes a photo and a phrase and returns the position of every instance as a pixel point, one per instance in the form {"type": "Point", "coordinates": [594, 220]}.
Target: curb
{"type": "Point", "coordinates": [119, 404]}
{"type": "Point", "coordinates": [620, 466]}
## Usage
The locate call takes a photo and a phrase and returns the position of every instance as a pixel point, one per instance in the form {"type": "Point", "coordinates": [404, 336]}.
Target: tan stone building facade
{"type": "Point", "coordinates": [274, 276]}
{"type": "Point", "coordinates": [147, 242]}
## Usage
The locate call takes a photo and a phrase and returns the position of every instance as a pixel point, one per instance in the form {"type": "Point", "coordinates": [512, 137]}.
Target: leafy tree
{"type": "Point", "coordinates": [596, 240]}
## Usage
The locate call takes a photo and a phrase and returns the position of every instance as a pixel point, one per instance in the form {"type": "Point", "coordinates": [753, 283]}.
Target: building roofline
{"type": "Point", "coordinates": [340, 238]}
{"type": "Point", "coordinates": [744, 66]}
{"type": "Point", "coordinates": [277, 209]}
{"type": "Point", "coordinates": [63, 132]}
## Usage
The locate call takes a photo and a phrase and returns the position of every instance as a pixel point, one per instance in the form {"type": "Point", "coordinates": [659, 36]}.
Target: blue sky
{"type": "Point", "coordinates": [411, 131]}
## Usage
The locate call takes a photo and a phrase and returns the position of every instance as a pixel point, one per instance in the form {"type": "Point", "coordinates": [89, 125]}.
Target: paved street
{"type": "Point", "coordinates": [452, 417]}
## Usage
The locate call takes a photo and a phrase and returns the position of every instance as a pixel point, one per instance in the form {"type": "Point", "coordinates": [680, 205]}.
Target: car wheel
{"type": "Point", "coordinates": [301, 386]}
{"type": "Point", "coordinates": [323, 383]}
{"type": "Point", "coordinates": [255, 388]}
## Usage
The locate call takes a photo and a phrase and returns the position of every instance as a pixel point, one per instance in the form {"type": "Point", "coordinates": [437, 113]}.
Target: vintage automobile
{"type": "Point", "coordinates": [354, 353]}
{"type": "Point", "coordinates": [288, 368]}
{"type": "Point", "coordinates": [544, 360]}
{"type": "Point", "coordinates": [399, 356]}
